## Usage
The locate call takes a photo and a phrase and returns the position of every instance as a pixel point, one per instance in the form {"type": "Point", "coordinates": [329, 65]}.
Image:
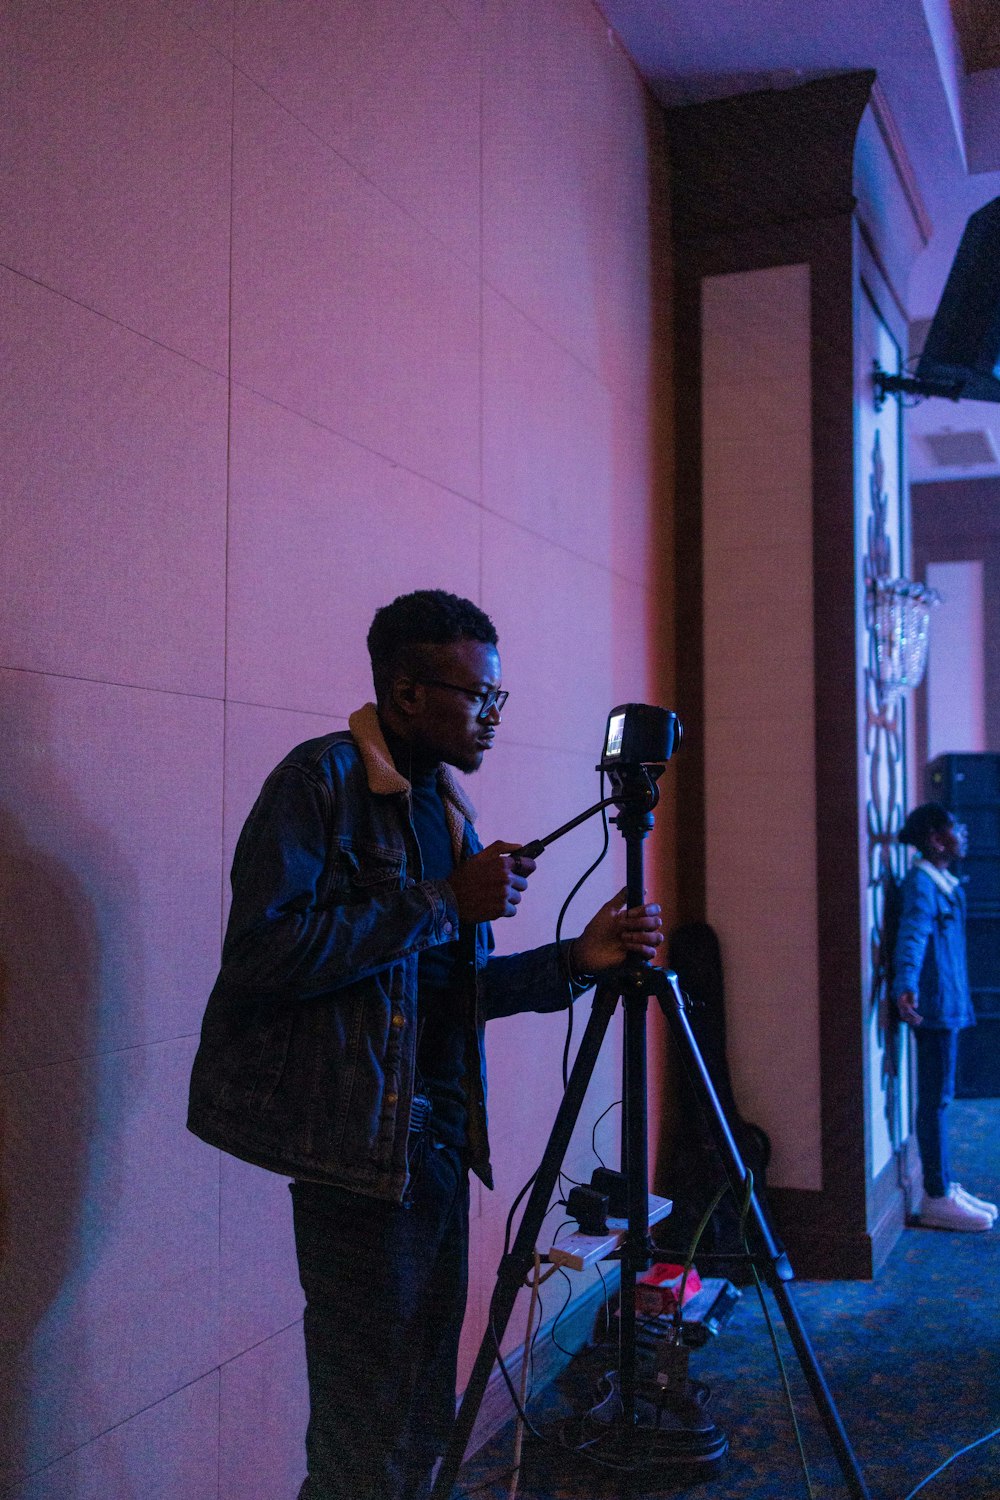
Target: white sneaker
{"type": "Point", "coordinates": [971, 1201]}
{"type": "Point", "coordinates": [952, 1213]}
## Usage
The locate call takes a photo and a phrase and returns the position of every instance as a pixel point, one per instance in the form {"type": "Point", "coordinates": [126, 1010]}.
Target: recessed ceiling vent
{"type": "Point", "coordinates": [961, 450]}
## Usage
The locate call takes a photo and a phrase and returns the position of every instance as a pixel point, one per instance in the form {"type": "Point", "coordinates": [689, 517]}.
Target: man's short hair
{"type": "Point", "coordinates": [928, 818]}
{"type": "Point", "coordinates": [428, 617]}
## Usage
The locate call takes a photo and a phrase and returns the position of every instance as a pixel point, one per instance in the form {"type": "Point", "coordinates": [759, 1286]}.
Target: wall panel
{"type": "Point", "coordinates": [310, 305]}
{"type": "Point", "coordinates": [759, 721]}
{"type": "Point", "coordinates": [344, 310]}
{"type": "Point", "coordinates": [115, 180]}
{"type": "Point", "coordinates": [113, 563]}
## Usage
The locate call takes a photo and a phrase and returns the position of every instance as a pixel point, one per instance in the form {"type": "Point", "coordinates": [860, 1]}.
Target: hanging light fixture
{"type": "Point", "coordinates": [899, 618]}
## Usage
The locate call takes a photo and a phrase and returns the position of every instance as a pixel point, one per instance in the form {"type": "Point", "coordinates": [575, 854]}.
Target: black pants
{"type": "Point", "coordinates": [937, 1053]}
{"type": "Point", "coordinates": [385, 1289]}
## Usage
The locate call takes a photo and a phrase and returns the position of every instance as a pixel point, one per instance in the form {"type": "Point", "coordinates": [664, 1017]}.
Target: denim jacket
{"type": "Point", "coordinates": [308, 1047]}
{"type": "Point", "coordinates": [930, 958]}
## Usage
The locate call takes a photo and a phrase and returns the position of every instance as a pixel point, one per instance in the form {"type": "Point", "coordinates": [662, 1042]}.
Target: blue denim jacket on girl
{"type": "Point", "coordinates": [930, 958]}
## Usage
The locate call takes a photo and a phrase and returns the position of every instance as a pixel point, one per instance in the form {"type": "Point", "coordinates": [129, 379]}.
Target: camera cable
{"type": "Point", "coordinates": [569, 1015]}
{"type": "Point", "coordinates": [559, 923]}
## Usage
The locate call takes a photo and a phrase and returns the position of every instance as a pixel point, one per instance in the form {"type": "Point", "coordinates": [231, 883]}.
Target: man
{"type": "Point", "coordinates": [931, 990]}
{"type": "Point", "coordinates": [343, 1041]}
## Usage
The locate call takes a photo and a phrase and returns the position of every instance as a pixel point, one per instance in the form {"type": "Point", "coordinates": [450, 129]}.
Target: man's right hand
{"type": "Point", "coordinates": [489, 885]}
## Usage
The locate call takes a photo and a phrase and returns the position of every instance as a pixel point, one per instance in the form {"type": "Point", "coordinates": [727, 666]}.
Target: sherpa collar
{"type": "Point", "coordinates": [384, 780]}
{"type": "Point", "coordinates": [943, 879]}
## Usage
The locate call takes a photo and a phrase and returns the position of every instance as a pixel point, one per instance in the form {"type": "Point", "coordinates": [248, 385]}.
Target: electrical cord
{"type": "Point", "coordinates": [569, 1353]}
{"type": "Point", "coordinates": [607, 1298]}
{"type": "Point", "coordinates": [569, 1014]}
{"type": "Point", "coordinates": [523, 1421]}
{"type": "Point", "coordinates": [502, 1475]}
{"type": "Point", "coordinates": [582, 1449]}
{"type": "Point", "coordinates": [571, 1180]}
{"type": "Point", "coordinates": [772, 1331]}
{"type": "Point", "coordinates": [706, 1256]}
{"type": "Point", "coordinates": [559, 922]}
{"type": "Point", "coordinates": [941, 1467]}
{"type": "Point", "coordinates": [593, 1133]}
{"type": "Point", "coordinates": [499, 1476]}
{"type": "Point", "coordinates": [534, 1340]}
{"type": "Point", "coordinates": [502, 1363]}
{"type": "Point", "coordinates": [688, 1264]}
{"type": "Point", "coordinates": [556, 1203]}
{"type": "Point", "coordinates": [693, 1250]}
{"type": "Point", "coordinates": [513, 1211]}
{"type": "Point", "coordinates": [529, 1343]}
{"type": "Point", "coordinates": [519, 1405]}
{"type": "Point", "coordinates": [987, 1438]}
{"type": "Point", "coordinates": [508, 1229]}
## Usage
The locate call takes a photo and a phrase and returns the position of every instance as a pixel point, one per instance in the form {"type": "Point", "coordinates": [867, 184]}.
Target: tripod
{"type": "Point", "coordinates": [635, 983]}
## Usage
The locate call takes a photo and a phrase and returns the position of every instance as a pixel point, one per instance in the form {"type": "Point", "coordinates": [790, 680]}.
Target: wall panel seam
{"type": "Point", "coordinates": [115, 322]}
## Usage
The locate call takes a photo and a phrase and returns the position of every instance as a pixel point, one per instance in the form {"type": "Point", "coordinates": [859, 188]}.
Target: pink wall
{"type": "Point", "coordinates": [953, 522]}
{"type": "Point", "coordinates": [303, 307]}
{"type": "Point", "coordinates": [760, 764]}
{"type": "Point", "coordinates": [956, 660]}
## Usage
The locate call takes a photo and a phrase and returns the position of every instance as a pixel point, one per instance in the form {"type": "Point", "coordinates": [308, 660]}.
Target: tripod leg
{"type": "Point", "coordinates": [514, 1266]}
{"type": "Point", "coordinates": [636, 1253]}
{"type": "Point", "coordinates": [777, 1270]}
{"type": "Point", "coordinates": [637, 1249]}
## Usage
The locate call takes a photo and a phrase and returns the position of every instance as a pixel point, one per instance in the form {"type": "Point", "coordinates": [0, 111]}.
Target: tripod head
{"type": "Point", "coordinates": [638, 742]}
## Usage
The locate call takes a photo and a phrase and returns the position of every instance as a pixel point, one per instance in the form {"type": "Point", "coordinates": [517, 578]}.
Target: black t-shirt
{"type": "Point", "coordinates": [441, 1020]}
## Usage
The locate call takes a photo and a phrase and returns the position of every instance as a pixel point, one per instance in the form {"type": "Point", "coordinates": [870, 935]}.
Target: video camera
{"type": "Point", "coordinates": [639, 735]}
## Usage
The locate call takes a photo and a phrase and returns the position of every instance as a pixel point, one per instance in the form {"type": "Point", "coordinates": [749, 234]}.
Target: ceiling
{"type": "Point", "coordinates": [948, 117]}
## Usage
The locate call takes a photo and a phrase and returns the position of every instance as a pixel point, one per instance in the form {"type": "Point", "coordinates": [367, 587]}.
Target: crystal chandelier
{"type": "Point", "coordinates": [899, 617]}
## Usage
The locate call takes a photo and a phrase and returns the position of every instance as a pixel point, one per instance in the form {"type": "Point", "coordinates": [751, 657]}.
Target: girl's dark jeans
{"type": "Point", "coordinates": [385, 1289]}
{"type": "Point", "coordinates": [937, 1052]}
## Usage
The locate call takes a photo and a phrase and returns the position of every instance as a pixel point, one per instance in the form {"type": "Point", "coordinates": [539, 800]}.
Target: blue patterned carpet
{"type": "Point", "coordinates": [912, 1360]}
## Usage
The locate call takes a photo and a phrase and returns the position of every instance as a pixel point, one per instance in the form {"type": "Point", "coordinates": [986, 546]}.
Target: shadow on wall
{"type": "Point", "coordinates": [61, 895]}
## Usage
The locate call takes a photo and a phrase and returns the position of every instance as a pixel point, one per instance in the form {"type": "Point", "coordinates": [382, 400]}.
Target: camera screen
{"type": "Point", "coordinates": [616, 728]}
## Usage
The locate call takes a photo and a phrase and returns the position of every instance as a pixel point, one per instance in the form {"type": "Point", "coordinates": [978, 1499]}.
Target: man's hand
{"type": "Point", "coordinates": [615, 931]}
{"type": "Point", "coordinates": [906, 1004]}
{"type": "Point", "coordinates": [489, 885]}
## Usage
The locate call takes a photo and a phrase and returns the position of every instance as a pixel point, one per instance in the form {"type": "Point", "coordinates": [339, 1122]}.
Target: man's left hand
{"type": "Point", "coordinates": [614, 932]}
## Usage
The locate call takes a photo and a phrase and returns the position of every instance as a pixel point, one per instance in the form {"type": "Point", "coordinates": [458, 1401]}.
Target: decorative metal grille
{"type": "Point", "coordinates": [884, 721]}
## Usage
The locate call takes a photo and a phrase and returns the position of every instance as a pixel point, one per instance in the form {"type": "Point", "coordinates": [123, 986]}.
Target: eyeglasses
{"type": "Point", "coordinates": [487, 698]}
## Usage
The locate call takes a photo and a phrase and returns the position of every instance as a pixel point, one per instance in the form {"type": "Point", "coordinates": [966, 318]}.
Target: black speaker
{"type": "Point", "coordinates": [966, 780]}
{"type": "Point", "coordinates": [969, 786]}
{"type": "Point", "coordinates": [963, 342]}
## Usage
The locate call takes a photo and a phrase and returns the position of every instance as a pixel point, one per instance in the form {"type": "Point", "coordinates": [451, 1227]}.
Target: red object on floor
{"type": "Point", "coordinates": [657, 1291]}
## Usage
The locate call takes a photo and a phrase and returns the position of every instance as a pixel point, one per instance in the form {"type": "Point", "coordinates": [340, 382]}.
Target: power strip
{"type": "Point", "coordinates": [579, 1250]}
